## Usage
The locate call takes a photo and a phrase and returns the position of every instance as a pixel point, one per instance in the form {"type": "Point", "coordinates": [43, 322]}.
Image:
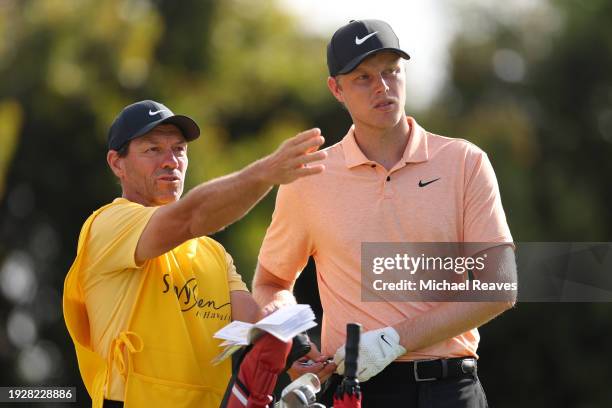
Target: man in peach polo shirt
{"type": "Point", "coordinates": [388, 180]}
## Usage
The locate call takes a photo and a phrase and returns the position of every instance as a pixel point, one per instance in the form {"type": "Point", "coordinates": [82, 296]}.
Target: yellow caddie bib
{"type": "Point", "coordinates": [165, 352]}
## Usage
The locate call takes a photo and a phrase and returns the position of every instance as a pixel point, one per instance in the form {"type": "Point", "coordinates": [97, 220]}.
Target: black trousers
{"type": "Point", "coordinates": [395, 387]}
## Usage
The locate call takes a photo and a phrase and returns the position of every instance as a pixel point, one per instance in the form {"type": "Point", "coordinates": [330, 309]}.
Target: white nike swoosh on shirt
{"type": "Point", "coordinates": [360, 41]}
{"type": "Point", "coordinates": [151, 113]}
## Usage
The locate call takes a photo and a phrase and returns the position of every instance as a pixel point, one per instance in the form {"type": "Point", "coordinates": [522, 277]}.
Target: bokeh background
{"type": "Point", "coordinates": [529, 81]}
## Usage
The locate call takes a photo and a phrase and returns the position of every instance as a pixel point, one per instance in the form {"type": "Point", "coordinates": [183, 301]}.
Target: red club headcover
{"type": "Point", "coordinates": [258, 373]}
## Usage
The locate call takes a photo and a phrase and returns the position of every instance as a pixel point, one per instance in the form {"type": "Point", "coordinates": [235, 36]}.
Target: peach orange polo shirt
{"type": "Point", "coordinates": [355, 200]}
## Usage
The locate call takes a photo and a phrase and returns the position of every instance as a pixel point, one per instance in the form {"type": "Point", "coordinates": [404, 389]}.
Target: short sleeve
{"type": "Point", "coordinates": [114, 235]}
{"type": "Point", "coordinates": [287, 244]}
{"type": "Point", "coordinates": [233, 278]}
{"type": "Point", "coordinates": [484, 217]}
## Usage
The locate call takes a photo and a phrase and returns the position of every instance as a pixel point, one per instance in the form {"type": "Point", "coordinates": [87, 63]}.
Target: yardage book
{"type": "Point", "coordinates": [284, 324]}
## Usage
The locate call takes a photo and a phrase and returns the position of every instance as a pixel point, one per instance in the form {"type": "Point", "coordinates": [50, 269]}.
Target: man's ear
{"type": "Point", "coordinates": [335, 89]}
{"type": "Point", "coordinates": [115, 163]}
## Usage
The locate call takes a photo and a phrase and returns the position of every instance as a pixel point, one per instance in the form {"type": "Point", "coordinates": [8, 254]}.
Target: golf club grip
{"type": "Point", "coordinates": [353, 333]}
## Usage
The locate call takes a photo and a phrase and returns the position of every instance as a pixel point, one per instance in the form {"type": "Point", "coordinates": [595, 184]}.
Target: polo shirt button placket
{"type": "Point", "coordinates": [387, 187]}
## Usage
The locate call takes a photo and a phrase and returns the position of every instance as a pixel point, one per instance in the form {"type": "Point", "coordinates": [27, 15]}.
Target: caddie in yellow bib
{"type": "Point", "coordinates": [174, 304]}
{"type": "Point", "coordinates": [148, 289]}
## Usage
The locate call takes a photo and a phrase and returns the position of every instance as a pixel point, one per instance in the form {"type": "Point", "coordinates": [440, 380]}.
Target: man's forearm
{"type": "Point", "coordinates": [446, 321]}
{"type": "Point", "coordinates": [220, 202]}
{"type": "Point", "coordinates": [451, 319]}
{"type": "Point", "coordinates": [244, 307]}
{"type": "Point", "coordinates": [270, 291]}
{"type": "Point", "coordinates": [266, 295]}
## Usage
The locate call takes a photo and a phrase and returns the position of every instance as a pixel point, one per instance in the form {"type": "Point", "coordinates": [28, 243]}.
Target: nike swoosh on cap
{"type": "Point", "coordinates": [151, 113]}
{"type": "Point", "coordinates": [360, 41]}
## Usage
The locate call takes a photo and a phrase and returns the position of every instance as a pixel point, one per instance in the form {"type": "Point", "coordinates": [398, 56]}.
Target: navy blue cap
{"type": "Point", "coordinates": [139, 118]}
{"type": "Point", "coordinates": [357, 40]}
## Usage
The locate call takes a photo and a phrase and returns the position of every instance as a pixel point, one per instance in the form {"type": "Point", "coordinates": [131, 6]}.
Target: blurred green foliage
{"type": "Point", "coordinates": [535, 93]}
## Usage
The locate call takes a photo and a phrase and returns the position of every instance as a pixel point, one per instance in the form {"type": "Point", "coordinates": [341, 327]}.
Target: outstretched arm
{"type": "Point", "coordinates": [213, 205]}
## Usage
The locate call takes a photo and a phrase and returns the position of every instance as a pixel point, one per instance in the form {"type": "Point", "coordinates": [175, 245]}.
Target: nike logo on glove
{"type": "Point", "coordinates": [360, 41]}
{"type": "Point", "coordinates": [382, 337]}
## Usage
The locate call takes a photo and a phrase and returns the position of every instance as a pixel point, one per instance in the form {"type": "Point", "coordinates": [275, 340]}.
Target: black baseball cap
{"type": "Point", "coordinates": [138, 118]}
{"type": "Point", "coordinates": [357, 40]}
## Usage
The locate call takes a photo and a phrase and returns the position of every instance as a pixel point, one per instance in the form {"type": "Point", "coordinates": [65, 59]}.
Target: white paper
{"type": "Point", "coordinates": [284, 324]}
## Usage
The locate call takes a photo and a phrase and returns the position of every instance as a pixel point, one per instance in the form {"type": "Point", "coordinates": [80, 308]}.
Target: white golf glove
{"type": "Point", "coordinates": [377, 349]}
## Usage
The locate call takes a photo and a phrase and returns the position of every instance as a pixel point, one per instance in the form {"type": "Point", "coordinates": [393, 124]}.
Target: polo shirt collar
{"type": "Point", "coordinates": [416, 149]}
{"type": "Point", "coordinates": [353, 156]}
{"type": "Point", "coordinates": [415, 152]}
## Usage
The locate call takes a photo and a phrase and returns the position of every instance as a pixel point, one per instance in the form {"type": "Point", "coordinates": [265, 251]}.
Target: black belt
{"type": "Point", "coordinates": [112, 404]}
{"type": "Point", "coordinates": [408, 374]}
{"type": "Point", "coordinates": [431, 370]}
